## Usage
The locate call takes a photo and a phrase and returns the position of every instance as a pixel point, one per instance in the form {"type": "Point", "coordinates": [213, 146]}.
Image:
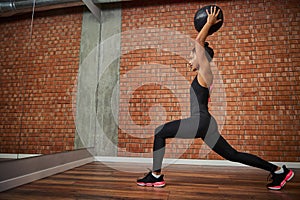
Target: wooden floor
{"type": "Point", "coordinates": [98, 181]}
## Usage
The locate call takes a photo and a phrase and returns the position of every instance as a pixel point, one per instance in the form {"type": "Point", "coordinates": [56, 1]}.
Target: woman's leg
{"type": "Point", "coordinates": [216, 142]}
{"type": "Point", "coordinates": [185, 128]}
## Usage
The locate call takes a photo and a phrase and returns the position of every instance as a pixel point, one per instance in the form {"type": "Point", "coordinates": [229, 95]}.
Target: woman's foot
{"type": "Point", "coordinates": [279, 180]}
{"type": "Point", "coordinates": [151, 181]}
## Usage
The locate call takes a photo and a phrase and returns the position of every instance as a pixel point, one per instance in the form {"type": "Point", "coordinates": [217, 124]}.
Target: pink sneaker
{"type": "Point", "coordinates": [151, 181]}
{"type": "Point", "coordinates": [279, 180]}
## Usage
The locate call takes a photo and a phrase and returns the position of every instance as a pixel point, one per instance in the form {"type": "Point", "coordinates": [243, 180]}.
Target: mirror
{"type": "Point", "coordinates": [56, 78]}
{"type": "Point", "coordinates": [40, 59]}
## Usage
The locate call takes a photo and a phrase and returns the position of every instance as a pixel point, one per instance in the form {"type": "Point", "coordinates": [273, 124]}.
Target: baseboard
{"type": "Point", "coordinates": [17, 172]}
{"type": "Point", "coordinates": [17, 156]}
{"type": "Point", "coordinates": [168, 161]}
{"type": "Point", "coordinates": [21, 180]}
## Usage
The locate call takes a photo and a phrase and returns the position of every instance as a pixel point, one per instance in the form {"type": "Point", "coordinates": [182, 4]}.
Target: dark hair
{"type": "Point", "coordinates": [209, 52]}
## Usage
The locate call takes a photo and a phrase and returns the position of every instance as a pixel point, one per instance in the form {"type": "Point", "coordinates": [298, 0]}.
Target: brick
{"type": "Point", "coordinates": [30, 88]}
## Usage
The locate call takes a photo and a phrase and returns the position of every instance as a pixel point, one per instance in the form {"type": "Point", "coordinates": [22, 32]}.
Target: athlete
{"type": "Point", "coordinates": [201, 124]}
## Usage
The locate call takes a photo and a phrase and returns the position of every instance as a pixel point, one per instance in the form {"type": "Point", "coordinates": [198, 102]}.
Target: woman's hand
{"type": "Point", "coordinates": [212, 16]}
{"type": "Point", "coordinates": [211, 20]}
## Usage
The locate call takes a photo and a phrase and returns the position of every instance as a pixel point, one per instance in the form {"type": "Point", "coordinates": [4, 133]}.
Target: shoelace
{"type": "Point", "coordinates": [147, 173]}
{"type": "Point", "coordinates": [270, 177]}
{"type": "Point", "coordinates": [149, 170]}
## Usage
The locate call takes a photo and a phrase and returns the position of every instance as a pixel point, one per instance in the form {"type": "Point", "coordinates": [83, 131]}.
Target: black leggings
{"type": "Point", "coordinates": [192, 128]}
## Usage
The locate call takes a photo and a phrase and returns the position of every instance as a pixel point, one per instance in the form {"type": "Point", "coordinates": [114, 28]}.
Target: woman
{"type": "Point", "coordinates": [202, 125]}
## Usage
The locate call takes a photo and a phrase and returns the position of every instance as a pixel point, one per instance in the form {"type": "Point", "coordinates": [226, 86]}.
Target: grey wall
{"type": "Point", "coordinates": [98, 79]}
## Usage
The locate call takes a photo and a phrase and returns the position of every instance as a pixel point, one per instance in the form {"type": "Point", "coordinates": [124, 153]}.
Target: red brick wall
{"type": "Point", "coordinates": [257, 55]}
{"type": "Point", "coordinates": [37, 79]}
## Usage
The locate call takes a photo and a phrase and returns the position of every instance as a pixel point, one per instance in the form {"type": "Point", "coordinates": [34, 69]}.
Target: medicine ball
{"type": "Point", "coordinates": [201, 18]}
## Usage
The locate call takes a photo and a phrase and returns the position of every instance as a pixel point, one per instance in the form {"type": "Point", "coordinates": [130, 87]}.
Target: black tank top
{"type": "Point", "coordinates": [199, 98]}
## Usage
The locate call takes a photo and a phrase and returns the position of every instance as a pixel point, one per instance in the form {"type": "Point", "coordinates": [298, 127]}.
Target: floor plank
{"type": "Point", "coordinates": [98, 181]}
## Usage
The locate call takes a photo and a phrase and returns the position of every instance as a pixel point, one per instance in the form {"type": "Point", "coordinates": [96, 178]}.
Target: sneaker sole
{"type": "Point", "coordinates": [288, 177]}
{"type": "Point", "coordinates": [156, 184]}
